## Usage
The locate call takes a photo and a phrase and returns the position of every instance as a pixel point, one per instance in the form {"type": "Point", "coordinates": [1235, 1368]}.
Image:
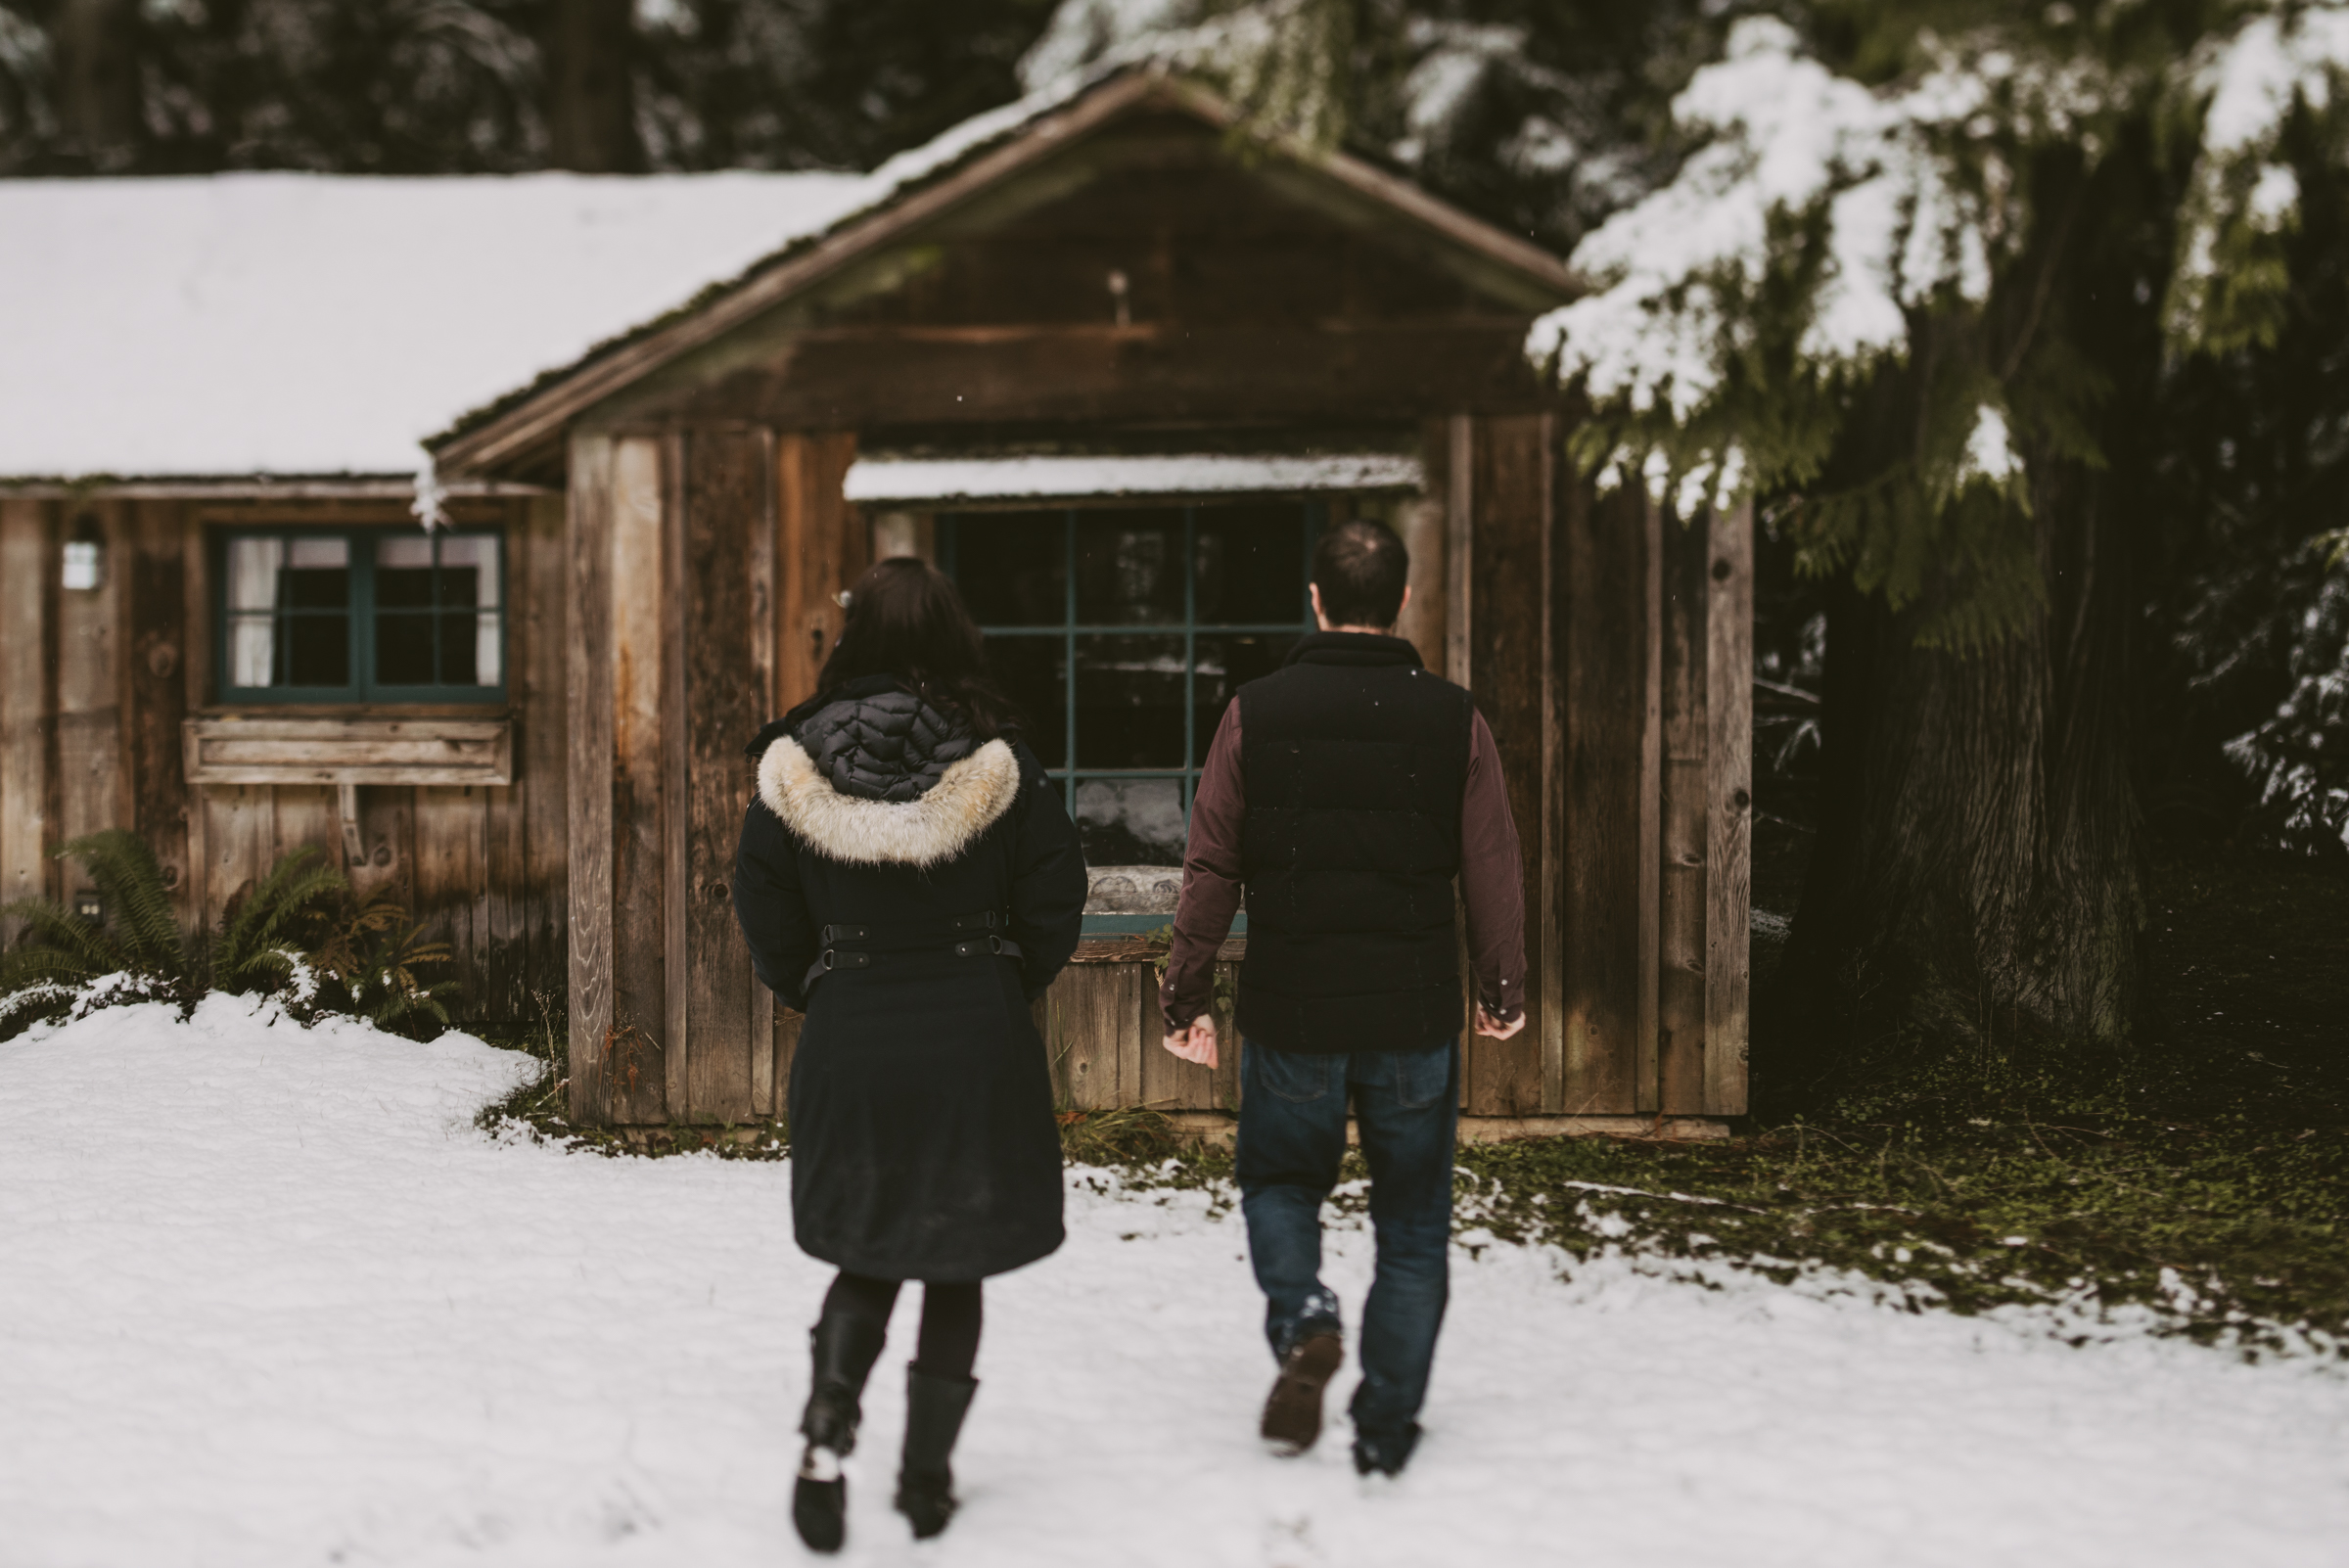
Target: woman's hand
{"type": "Point", "coordinates": [1196, 1044]}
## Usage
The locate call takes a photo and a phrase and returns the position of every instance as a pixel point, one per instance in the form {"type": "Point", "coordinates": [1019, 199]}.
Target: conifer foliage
{"type": "Point", "coordinates": [296, 935]}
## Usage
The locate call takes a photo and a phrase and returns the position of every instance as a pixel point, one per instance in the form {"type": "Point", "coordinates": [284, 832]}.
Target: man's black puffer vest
{"type": "Point", "coordinates": [1354, 759]}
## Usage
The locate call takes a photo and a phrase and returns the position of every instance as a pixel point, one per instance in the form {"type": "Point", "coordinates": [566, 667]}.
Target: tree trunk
{"type": "Point", "coordinates": [1976, 876]}
{"type": "Point", "coordinates": [1976, 879]}
{"type": "Point", "coordinates": [96, 96]}
{"type": "Point", "coordinates": [591, 88]}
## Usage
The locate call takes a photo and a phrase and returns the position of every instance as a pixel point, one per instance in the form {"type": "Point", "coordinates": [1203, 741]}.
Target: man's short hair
{"type": "Point", "coordinates": [1360, 568]}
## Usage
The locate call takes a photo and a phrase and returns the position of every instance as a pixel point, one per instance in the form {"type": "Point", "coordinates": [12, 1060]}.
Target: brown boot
{"type": "Point", "coordinates": [1293, 1412]}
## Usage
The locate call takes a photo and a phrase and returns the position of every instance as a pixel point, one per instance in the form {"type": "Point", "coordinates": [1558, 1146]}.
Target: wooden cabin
{"type": "Point", "coordinates": [1111, 367]}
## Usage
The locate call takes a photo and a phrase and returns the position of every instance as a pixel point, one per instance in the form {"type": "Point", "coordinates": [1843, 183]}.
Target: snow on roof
{"type": "Point", "coordinates": [911, 478]}
{"type": "Point", "coordinates": [311, 325]}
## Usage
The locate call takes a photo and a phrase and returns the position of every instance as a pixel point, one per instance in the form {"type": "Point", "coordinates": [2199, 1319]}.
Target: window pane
{"type": "Point", "coordinates": [1135, 821]}
{"type": "Point", "coordinates": [1129, 701]}
{"type": "Point", "coordinates": [403, 577]}
{"type": "Point", "coordinates": [253, 568]}
{"type": "Point", "coordinates": [403, 649]}
{"type": "Point", "coordinates": [1033, 675]}
{"type": "Point", "coordinates": [468, 572]}
{"type": "Point", "coordinates": [488, 651]}
{"type": "Point", "coordinates": [317, 649]}
{"type": "Point", "coordinates": [1013, 567]}
{"type": "Point", "coordinates": [1128, 568]}
{"type": "Point", "coordinates": [1250, 564]}
{"type": "Point", "coordinates": [460, 650]}
{"type": "Point", "coordinates": [1226, 663]}
{"type": "Point", "coordinates": [253, 649]}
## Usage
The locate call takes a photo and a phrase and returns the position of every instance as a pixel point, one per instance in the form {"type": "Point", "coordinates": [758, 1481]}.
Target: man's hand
{"type": "Point", "coordinates": [1486, 1025]}
{"type": "Point", "coordinates": [1196, 1044]}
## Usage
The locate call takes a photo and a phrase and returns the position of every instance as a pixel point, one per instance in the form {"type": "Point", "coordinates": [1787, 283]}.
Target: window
{"type": "Point", "coordinates": [1162, 613]}
{"type": "Point", "coordinates": [366, 614]}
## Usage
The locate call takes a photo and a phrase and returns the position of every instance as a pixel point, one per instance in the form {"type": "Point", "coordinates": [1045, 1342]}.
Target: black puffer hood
{"type": "Point", "coordinates": [874, 739]}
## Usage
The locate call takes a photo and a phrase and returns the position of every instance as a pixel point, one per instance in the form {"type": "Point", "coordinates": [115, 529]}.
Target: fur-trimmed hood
{"type": "Point", "coordinates": [872, 774]}
{"type": "Point", "coordinates": [970, 797]}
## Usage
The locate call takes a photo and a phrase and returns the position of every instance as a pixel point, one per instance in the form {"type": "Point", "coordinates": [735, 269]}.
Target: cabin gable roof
{"type": "Point", "coordinates": [986, 173]}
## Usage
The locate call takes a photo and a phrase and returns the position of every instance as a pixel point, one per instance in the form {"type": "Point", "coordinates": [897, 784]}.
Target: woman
{"type": "Point", "coordinates": [909, 879]}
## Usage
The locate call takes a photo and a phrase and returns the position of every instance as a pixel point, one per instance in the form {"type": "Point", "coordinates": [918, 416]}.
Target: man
{"type": "Point", "coordinates": [1344, 791]}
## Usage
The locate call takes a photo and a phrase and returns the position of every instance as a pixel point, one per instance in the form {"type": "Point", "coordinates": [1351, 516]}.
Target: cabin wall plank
{"type": "Point", "coordinates": [869, 378]}
{"type": "Point", "coordinates": [823, 547]}
{"type": "Point", "coordinates": [1684, 816]}
{"type": "Point", "coordinates": [1728, 789]}
{"type": "Point", "coordinates": [542, 751]}
{"type": "Point", "coordinates": [28, 829]}
{"type": "Point", "coordinates": [725, 506]}
{"type": "Point", "coordinates": [1600, 646]}
{"type": "Point", "coordinates": [501, 937]}
{"type": "Point", "coordinates": [589, 704]}
{"type": "Point", "coordinates": [759, 579]}
{"type": "Point", "coordinates": [1511, 513]}
{"type": "Point", "coordinates": [448, 865]}
{"type": "Point", "coordinates": [305, 814]}
{"type": "Point", "coordinates": [156, 637]}
{"type": "Point", "coordinates": [91, 784]}
{"type": "Point", "coordinates": [1095, 1035]}
{"type": "Point", "coordinates": [240, 839]}
{"type": "Point", "coordinates": [637, 583]}
{"type": "Point", "coordinates": [1546, 918]}
{"type": "Point", "coordinates": [1650, 1072]}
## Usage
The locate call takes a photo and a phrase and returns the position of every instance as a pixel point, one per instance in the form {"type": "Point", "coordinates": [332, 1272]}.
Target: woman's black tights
{"type": "Point", "coordinates": [950, 1319]}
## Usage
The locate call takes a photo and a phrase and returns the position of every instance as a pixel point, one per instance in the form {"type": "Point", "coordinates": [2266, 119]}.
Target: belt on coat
{"type": "Point", "coordinates": [835, 956]}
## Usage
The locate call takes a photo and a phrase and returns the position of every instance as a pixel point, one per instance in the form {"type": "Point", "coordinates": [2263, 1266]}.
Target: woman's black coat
{"type": "Point", "coordinates": [923, 1143]}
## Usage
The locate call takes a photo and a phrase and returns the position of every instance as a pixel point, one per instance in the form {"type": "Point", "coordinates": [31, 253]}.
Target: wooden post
{"type": "Point", "coordinates": [821, 549]}
{"type": "Point", "coordinates": [545, 747]}
{"type": "Point", "coordinates": [671, 811]}
{"type": "Point", "coordinates": [1459, 511]}
{"type": "Point", "coordinates": [761, 566]}
{"type": "Point", "coordinates": [27, 708]}
{"type": "Point", "coordinates": [618, 884]}
{"type": "Point", "coordinates": [1728, 787]}
{"type": "Point", "coordinates": [1602, 620]}
{"type": "Point", "coordinates": [156, 637]}
{"type": "Point", "coordinates": [588, 713]}
{"type": "Point", "coordinates": [1511, 521]}
{"type": "Point", "coordinates": [727, 478]}
{"type": "Point", "coordinates": [91, 782]}
{"type": "Point", "coordinates": [1684, 816]}
{"type": "Point", "coordinates": [1647, 1082]}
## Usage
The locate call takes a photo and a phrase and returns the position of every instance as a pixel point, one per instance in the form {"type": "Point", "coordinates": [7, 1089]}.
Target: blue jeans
{"type": "Point", "coordinates": [1292, 1137]}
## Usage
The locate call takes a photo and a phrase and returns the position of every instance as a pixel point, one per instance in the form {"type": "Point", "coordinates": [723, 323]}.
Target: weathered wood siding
{"type": "Point", "coordinates": [95, 684]}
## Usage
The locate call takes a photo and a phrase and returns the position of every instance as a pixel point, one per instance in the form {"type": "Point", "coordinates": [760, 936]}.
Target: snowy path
{"type": "Point", "coordinates": [267, 1299]}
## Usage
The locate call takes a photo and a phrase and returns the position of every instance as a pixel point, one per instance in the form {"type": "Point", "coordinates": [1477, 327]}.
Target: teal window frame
{"type": "Point", "coordinates": [361, 611]}
{"type": "Point", "coordinates": [1313, 518]}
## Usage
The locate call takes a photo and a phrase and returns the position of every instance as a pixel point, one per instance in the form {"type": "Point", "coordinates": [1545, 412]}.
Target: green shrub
{"type": "Point", "coordinates": [298, 933]}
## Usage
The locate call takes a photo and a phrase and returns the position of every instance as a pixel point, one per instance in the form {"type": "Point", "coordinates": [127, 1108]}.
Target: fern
{"type": "Point", "coordinates": [259, 947]}
{"type": "Point", "coordinates": [370, 962]}
{"type": "Point", "coordinates": [60, 958]}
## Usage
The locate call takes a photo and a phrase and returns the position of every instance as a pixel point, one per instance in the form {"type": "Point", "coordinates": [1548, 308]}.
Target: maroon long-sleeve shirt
{"type": "Point", "coordinates": [1491, 880]}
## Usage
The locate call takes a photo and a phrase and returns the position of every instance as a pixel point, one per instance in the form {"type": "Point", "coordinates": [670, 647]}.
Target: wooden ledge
{"type": "Point", "coordinates": [419, 750]}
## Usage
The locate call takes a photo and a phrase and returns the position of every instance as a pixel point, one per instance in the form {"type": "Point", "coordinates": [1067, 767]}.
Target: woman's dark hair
{"type": "Point", "coordinates": [907, 619]}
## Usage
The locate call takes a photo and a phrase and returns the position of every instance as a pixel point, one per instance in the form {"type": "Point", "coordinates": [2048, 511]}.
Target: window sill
{"type": "Point", "coordinates": [376, 749]}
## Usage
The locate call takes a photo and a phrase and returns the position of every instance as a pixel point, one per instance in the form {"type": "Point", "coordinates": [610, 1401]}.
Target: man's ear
{"type": "Point", "coordinates": [1313, 591]}
{"type": "Point", "coordinates": [1405, 605]}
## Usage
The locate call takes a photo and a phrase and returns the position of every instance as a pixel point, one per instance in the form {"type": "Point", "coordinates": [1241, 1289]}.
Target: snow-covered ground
{"type": "Point", "coordinates": [267, 1298]}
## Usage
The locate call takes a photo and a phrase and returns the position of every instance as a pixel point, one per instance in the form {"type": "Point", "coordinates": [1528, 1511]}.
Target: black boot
{"type": "Point", "coordinates": [933, 1410]}
{"type": "Point", "coordinates": [845, 1345]}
